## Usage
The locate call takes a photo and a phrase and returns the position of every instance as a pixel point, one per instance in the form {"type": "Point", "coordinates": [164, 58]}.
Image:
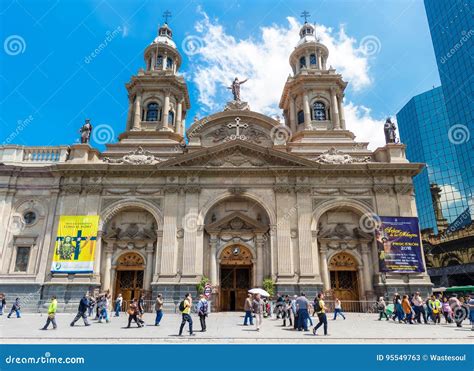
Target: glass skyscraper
{"type": "Point", "coordinates": [452, 32]}
{"type": "Point", "coordinates": [423, 124]}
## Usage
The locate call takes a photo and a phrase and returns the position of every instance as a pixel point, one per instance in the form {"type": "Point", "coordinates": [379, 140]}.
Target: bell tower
{"type": "Point", "coordinates": [158, 96]}
{"type": "Point", "coordinates": [313, 94]}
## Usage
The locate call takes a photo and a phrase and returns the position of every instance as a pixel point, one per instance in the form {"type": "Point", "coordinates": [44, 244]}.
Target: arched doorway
{"type": "Point", "coordinates": [343, 276]}
{"type": "Point", "coordinates": [129, 276]}
{"type": "Point", "coordinates": [235, 277]}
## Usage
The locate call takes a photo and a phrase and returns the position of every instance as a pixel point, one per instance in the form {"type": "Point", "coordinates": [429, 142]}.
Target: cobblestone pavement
{"type": "Point", "coordinates": [227, 328]}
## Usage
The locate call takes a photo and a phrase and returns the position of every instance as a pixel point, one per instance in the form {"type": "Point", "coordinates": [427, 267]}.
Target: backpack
{"type": "Point", "coordinates": [181, 306]}
{"type": "Point", "coordinates": [317, 307]}
{"type": "Point", "coordinates": [204, 307]}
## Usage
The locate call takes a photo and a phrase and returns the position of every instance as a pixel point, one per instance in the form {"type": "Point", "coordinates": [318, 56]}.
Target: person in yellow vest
{"type": "Point", "coordinates": [53, 307]}
{"type": "Point", "coordinates": [185, 309]}
{"type": "Point", "coordinates": [435, 306]}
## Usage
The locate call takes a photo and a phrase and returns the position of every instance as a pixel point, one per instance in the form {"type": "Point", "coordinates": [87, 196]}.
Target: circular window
{"type": "Point", "coordinates": [29, 217]}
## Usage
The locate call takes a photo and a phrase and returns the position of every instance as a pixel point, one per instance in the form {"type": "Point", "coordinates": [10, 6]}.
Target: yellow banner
{"type": "Point", "coordinates": [75, 244]}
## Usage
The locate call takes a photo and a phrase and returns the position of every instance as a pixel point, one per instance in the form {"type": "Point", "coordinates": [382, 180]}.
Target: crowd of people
{"type": "Point", "coordinates": [297, 312]}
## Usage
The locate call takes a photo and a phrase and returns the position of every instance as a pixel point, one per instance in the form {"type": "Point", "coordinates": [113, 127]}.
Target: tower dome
{"type": "Point", "coordinates": [165, 36]}
{"type": "Point", "coordinates": [162, 54]}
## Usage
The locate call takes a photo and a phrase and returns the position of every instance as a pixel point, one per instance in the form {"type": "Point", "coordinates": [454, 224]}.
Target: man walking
{"type": "Point", "coordinates": [82, 310]}
{"type": "Point", "coordinates": [118, 305]}
{"type": "Point", "coordinates": [3, 302]}
{"type": "Point", "coordinates": [185, 309]}
{"type": "Point", "coordinates": [418, 308]}
{"type": "Point", "coordinates": [202, 309]}
{"type": "Point", "coordinates": [53, 306]}
{"type": "Point", "coordinates": [302, 305]}
{"type": "Point", "coordinates": [158, 309]}
{"type": "Point", "coordinates": [15, 308]}
{"type": "Point", "coordinates": [320, 309]}
{"type": "Point", "coordinates": [248, 310]}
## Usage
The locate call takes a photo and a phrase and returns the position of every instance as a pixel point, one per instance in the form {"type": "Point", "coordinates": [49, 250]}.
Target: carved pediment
{"type": "Point", "coordinates": [236, 222]}
{"type": "Point", "coordinates": [340, 231]}
{"type": "Point", "coordinates": [238, 131]}
{"type": "Point", "coordinates": [334, 156]}
{"type": "Point", "coordinates": [137, 157]}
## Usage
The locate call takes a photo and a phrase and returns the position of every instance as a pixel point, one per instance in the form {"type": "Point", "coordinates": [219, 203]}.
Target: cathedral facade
{"type": "Point", "coordinates": [238, 198]}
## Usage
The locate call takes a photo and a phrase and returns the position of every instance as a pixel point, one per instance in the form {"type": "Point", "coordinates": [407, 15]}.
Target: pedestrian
{"type": "Point", "coordinates": [295, 312]}
{"type": "Point", "coordinates": [141, 309]}
{"type": "Point", "coordinates": [248, 310]}
{"type": "Point", "coordinates": [118, 305]}
{"type": "Point", "coordinates": [103, 313]}
{"type": "Point", "coordinates": [397, 308]}
{"type": "Point", "coordinates": [446, 310]}
{"type": "Point", "coordinates": [460, 310]}
{"type": "Point", "coordinates": [471, 311]}
{"type": "Point", "coordinates": [302, 305]}
{"type": "Point", "coordinates": [53, 306]}
{"type": "Point", "coordinates": [257, 309]}
{"type": "Point", "coordinates": [429, 313]}
{"type": "Point", "coordinates": [321, 309]}
{"type": "Point", "coordinates": [92, 303]}
{"type": "Point", "coordinates": [382, 308]}
{"type": "Point", "coordinates": [202, 309]}
{"type": "Point", "coordinates": [310, 309]}
{"type": "Point", "coordinates": [15, 308]}
{"type": "Point", "coordinates": [407, 310]}
{"type": "Point", "coordinates": [185, 309]}
{"type": "Point", "coordinates": [338, 309]}
{"type": "Point", "coordinates": [133, 313]}
{"type": "Point", "coordinates": [287, 312]}
{"type": "Point", "coordinates": [419, 308]}
{"type": "Point", "coordinates": [158, 309]}
{"type": "Point", "coordinates": [3, 303]}
{"type": "Point", "coordinates": [82, 310]}
{"type": "Point", "coordinates": [280, 303]}
{"type": "Point", "coordinates": [435, 307]}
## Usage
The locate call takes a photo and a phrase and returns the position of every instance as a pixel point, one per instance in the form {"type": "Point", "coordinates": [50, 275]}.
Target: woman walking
{"type": "Point", "coordinates": [118, 305]}
{"type": "Point", "coordinates": [258, 308]}
{"type": "Point", "coordinates": [133, 313]}
{"type": "Point", "coordinates": [407, 310]}
{"type": "Point", "coordinates": [158, 309]}
{"type": "Point", "coordinates": [447, 311]}
{"type": "Point", "coordinates": [382, 308]}
{"type": "Point", "coordinates": [338, 309]}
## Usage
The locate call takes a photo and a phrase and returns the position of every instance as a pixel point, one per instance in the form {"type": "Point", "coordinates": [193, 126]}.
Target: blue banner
{"type": "Point", "coordinates": [246, 357]}
{"type": "Point", "coordinates": [399, 245]}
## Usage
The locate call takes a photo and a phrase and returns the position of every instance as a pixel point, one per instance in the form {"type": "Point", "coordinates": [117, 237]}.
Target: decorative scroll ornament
{"type": "Point", "coordinates": [333, 156]}
{"type": "Point", "coordinates": [137, 157]}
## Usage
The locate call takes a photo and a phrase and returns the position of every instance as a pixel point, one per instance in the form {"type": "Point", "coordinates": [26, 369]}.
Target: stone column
{"type": "Point", "coordinates": [97, 255]}
{"type": "Point", "coordinates": [259, 274]}
{"type": "Point", "coordinates": [149, 267]}
{"type": "Point", "coordinates": [179, 114]}
{"type": "Point", "coordinates": [335, 111]}
{"type": "Point", "coordinates": [159, 239]}
{"type": "Point", "coordinates": [307, 112]}
{"type": "Point", "coordinates": [360, 276]}
{"type": "Point", "coordinates": [368, 287]}
{"type": "Point", "coordinates": [323, 251]}
{"type": "Point", "coordinates": [138, 112]}
{"type": "Point", "coordinates": [169, 253]}
{"type": "Point", "coordinates": [292, 114]}
{"type": "Point", "coordinates": [213, 263]}
{"type": "Point", "coordinates": [190, 226]}
{"type": "Point", "coordinates": [166, 109]}
{"type": "Point", "coordinates": [108, 267]}
{"type": "Point", "coordinates": [320, 62]}
{"type": "Point", "coordinates": [304, 231]}
{"type": "Point", "coordinates": [341, 112]}
{"type": "Point", "coordinates": [284, 248]}
{"type": "Point", "coordinates": [130, 114]}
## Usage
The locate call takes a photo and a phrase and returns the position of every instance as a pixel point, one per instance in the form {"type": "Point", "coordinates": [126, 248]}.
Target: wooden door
{"type": "Point", "coordinates": [235, 283]}
{"type": "Point", "coordinates": [129, 284]}
{"type": "Point", "coordinates": [344, 285]}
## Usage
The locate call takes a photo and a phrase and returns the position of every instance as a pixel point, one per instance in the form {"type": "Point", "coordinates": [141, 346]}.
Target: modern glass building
{"type": "Point", "coordinates": [452, 32]}
{"type": "Point", "coordinates": [423, 124]}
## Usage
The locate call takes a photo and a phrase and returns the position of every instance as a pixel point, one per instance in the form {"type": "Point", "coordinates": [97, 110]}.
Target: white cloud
{"type": "Point", "coordinates": [449, 195]}
{"type": "Point", "coordinates": [263, 59]}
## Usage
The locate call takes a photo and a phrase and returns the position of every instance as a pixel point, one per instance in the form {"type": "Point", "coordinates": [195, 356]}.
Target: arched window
{"type": "Point", "coordinates": [300, 117]}
{"type": "Point", "coordinates": [169, 63]}
{"type": "Point", "coordinates": [170, 118]}
{"type": "Point", "coordinates": [152, 112]}
{"type": "Point", "coordinates": [302, 62]}
{"type": "Point", "coordinates": [312, 59]}
{"type": "Point", "coordinates": [319, 111]}
{"type": "Point", "coordinates": [159, 62]}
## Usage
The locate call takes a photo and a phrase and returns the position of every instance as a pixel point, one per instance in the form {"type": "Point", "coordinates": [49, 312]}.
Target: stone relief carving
{"type": "Point", "coordinates": [334, 156]}
{"type": "Point", "coordinates": [238, 130]}
{"type": "Point", "coordinates": [237, 159]}
{"type": "Point", "coordinates": [137, 157]}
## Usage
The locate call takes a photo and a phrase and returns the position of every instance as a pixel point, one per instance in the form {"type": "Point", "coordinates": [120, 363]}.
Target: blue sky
{"type": "Point", "coordinates": [51, 86]}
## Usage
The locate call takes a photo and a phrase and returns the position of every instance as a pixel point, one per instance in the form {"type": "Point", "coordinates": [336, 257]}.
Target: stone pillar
{"type": "Point", "coordinates": [307, 112]}
{"type": "Point", "coordinates": [360, 277]}
{"type": "Point", "coordinates": [149, 267]}
{"type": "Point", "coordinates": [129, 123]}
{"type": "Point", "coordinates": [368, 286]}
{"type": "Point", "coordinates": [213, 263]}
{"type": "Point", "coordinates": [292, 114]}
{"type": "Point", "coordinates": [284, 248]}
{"type": "Point", "coordinates": [335, 111]}
{"type": "Point", "coordinates": [179, 114]}
{"type": "Point", "coordinates": [169, 253]}
{"type": "Point", "coordinates": [190, 226]}
{"type": "Point", "coordinates": [107, 268]}
{"type": "Point", "coordinates": [323, 251]}
{"type": "Point", "coordinates": [320, 62]}
{"type": "Point", "coordinates": [259, 274]}
{"type": "Point", "coordinates": [159, 239]}
{"type": "Point", "coordinates": [138, 112]}
{"type": "Point", "coordinates": [341, 112]}
{"type": "Point", "coordinates": [97, 255]}
{"type": "Point", "coordinates": [166, 109]}
{"type": "Point", "coordinates": [303, 202]}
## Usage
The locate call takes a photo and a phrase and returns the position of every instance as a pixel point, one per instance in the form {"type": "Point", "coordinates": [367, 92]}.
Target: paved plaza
{"type": "Point", "coordinates": [226, 327]}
